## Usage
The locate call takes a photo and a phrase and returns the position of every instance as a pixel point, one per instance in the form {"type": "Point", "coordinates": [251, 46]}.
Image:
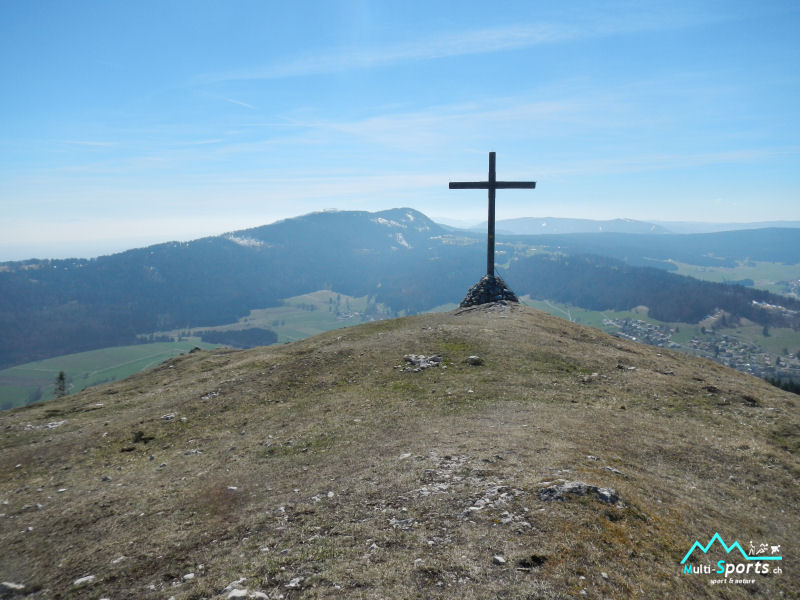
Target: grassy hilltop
{"type": "Point", "coordinates": [329, 468]}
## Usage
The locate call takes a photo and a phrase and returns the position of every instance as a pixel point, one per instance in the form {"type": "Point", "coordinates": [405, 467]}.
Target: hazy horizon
{"type": "Point", "coordinates": [64, 249]}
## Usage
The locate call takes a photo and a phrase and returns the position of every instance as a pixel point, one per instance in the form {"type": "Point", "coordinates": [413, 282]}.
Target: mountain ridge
{"type": "Point", "coordinates": [331, 467]}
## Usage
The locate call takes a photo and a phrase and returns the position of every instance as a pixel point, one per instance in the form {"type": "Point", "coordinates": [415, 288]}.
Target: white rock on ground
{"type": "Point", "coordinates": [246, 593]}
{"type": "Point", "coordinates": [294, 583]}
{"type": "Point", "coordinates": [234, 585]}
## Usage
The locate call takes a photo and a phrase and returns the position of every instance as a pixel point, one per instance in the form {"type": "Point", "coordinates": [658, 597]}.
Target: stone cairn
{"type": "Point", "coordinates": [489, 289]}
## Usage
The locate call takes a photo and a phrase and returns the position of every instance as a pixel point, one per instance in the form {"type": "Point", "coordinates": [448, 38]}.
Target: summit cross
{"type": "Point", "coordinates": [492, 184]}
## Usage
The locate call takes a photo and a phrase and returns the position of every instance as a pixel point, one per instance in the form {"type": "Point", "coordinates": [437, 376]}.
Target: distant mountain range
{"type": "Point", "coordinates": [554, 226]}
{"type": "Point", "coordinates": [722, 249]}
{"type": "Point", "coordinates": [397, 257]}
{"type": "Point", "coordinates": [697, 227]}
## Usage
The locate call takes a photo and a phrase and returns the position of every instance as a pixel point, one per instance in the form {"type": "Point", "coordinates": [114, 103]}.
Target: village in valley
{"type": "Point", "coordinates": [709, 342]}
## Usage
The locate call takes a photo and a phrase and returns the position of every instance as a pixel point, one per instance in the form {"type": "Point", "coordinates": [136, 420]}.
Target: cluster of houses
{"type": "Point", "coordinates": [728, 350]}
{"type": "Point", "coordinates": [642, 331]}
{"type": "Point", "coordinates": [744, 356]}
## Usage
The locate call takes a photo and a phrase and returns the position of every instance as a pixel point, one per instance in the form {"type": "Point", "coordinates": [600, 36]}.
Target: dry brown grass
{"type": "Point", "coordinates": [322, 460]}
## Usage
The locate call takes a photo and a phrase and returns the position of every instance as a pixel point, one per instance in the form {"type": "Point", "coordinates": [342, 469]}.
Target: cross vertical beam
{"type": "Point", "coordinates": [491, 185]}
{"type": "Point", "coordinates": [490, 239]}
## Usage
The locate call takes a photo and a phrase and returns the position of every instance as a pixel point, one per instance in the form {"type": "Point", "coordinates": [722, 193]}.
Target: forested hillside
{"type": "Point", "coordinates": [52, 307]}
{"type": "Point", "coordinates": [399, 258]}
{"type": "Point", "coordinates": [602, 283]}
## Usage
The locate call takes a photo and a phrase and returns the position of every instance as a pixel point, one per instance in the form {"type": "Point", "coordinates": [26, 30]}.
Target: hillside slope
{"type": "Point", "coordinates": [48, 308]}
{"type": "Point", "coordinates": [329, 468]}
{"type": "Point", "coordinates": [398, 258]}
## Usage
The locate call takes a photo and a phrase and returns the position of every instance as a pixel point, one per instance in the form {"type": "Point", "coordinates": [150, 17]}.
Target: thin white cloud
{"type": "Point", "coordinates": [441, 46]}
{"type": "Point", "coordinates": [91, 143]}
{"type": "Point", "coordinates": [628, 19]}
{"type": "Point", "coordinates": [238, 103]}
{"type": "Point", "coordinates": [621, 142]}
{"type": "Point", "coordinates": [227, 99]}
{"type": "Point", "coordinates": [438, 128]}
{"type": "Point", "coordinates": [623, 165]}
{"type": "Point", "coordinates": [200, 142]}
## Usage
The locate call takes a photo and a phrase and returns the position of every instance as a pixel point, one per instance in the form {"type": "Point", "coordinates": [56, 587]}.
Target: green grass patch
{"type": "Point", "coordinates": [582, 316]}
{"type": "Point", "coordinates": [787, 436]}
{"type": "Point", "coordinates": [312, 444]}
{"type": "Point", "coordinates": [456, 350]}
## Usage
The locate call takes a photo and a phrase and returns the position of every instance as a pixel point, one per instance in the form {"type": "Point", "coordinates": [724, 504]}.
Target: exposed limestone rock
{"type": "Point", "coordinates": [419, 362]}
{"type": "Point", "coordinates": [560, 491]}
{"type": "Point", "coordinates": [236, 589]}
{"type": "Point", "coordinates": [234, 585]}
{"type": "Point", "coordinates": [9, 589]}
{"type": "Point", "coordinates": [295, 583]}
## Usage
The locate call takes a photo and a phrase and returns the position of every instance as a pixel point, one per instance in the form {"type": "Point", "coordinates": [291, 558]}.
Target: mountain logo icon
{"type": "Point", "coordinates": [734, 546]}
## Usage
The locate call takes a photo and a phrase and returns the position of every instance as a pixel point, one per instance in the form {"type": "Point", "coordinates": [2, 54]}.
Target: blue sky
{"type": "Point", "coordinates": [124, 123]}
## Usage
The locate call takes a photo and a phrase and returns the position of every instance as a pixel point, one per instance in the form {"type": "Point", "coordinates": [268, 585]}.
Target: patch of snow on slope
{"type": "Point", "coordinates": [387, 222]}
{"type": "Point", "coordinates": [247, 242]}
{"type": "Point", "coordinates": [401, 240]}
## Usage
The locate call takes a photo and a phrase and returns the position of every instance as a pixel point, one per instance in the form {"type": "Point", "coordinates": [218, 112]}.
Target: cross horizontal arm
{"type": "Point", "coordinates": [485, 185]}
{"type": "Point", "coordinates": [469, 185]}
{"type": "Point", "coordinates": [519, 185]}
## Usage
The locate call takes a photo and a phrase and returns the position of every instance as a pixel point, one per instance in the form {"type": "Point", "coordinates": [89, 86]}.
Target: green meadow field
{"type": "Point", "coordinates": [302, 316]}
{"type": "Point", "coordinates": [35, 381]}
{"type": "Point", "coordinates": [298, 318]}
{"type": "Point", "coordinates": [769, 276]}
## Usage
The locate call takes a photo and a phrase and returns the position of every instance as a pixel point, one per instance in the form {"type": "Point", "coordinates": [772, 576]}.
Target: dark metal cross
{"type": "Point", "coordinates": [491, 185]}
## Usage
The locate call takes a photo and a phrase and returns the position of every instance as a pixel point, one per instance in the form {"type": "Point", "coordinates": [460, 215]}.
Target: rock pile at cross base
{"type": "Point", "coordinates": [489, 289]}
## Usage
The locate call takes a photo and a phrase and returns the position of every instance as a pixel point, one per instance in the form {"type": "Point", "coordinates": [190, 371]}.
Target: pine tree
{"type": "Point", "coordinates": [61, 385]}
